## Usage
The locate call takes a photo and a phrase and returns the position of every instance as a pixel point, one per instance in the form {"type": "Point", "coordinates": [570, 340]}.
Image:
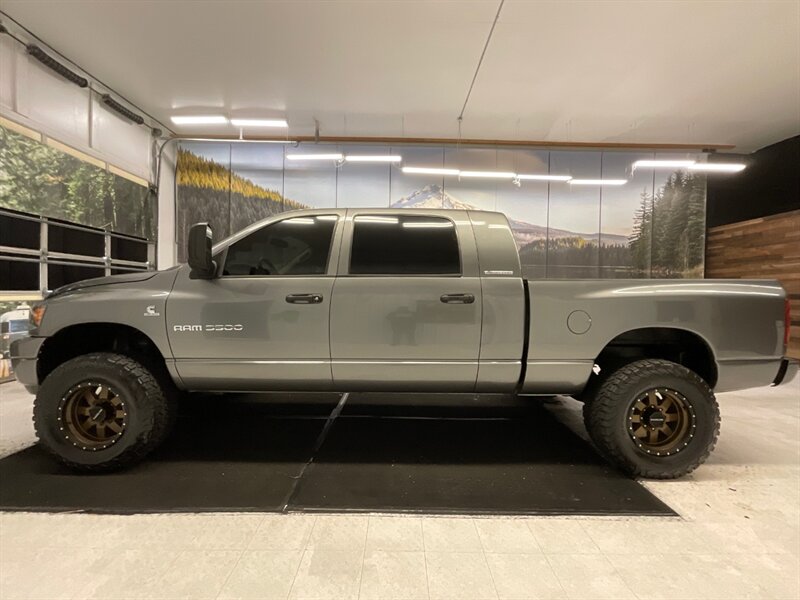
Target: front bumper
{"type": "Point", "coordinates": [786, 372]}
{"type": "Point", "coordinates": [24, 355]}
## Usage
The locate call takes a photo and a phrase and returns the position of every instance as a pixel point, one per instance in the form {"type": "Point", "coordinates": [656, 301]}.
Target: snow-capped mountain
{"type": "Point", "coordinates": [433, 196]}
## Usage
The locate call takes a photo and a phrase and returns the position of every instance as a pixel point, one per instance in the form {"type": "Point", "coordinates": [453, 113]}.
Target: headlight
{"type": "Point", "coordinates": [37, 314]}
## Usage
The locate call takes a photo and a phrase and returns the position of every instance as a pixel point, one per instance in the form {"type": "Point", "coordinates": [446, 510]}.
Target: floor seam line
{"type": "Point", "coordinates": [317, 445]}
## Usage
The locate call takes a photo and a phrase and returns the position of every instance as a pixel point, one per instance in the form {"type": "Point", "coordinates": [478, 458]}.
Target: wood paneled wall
{"type": "Point", "coordinates": [765, 248]}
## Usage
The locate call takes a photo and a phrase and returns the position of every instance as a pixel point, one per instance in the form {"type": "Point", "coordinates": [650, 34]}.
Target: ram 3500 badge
{"type": "Point", "coordinates": [406, 301]}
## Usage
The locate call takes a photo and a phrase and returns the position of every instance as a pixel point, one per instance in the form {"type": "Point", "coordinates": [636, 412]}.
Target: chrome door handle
{"type": "Point", "coordinates": [457, 298]}
{"type": "Point", "coordinates": [304, 298]}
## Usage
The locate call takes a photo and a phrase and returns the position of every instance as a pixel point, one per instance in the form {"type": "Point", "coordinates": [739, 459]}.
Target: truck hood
{"type": "Point", "coordinates": [110, 280]}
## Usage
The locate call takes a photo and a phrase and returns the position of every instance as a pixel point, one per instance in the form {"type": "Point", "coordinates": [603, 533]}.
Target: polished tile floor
{"type": "Point", "coordinates": [738, 536]}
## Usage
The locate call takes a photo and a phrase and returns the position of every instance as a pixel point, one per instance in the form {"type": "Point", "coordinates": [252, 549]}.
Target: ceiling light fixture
{"type": "Point", "coordinates": [544, 177]}
{"type": "Point", "coordinates": [199, 119]}
{"type": "Point", "coordinates": [598, 181]}
{"type": "Point", "coordinates": [430, 171]}
{"type": "Point", "coordinates": [718, 167]}
{"type": "Point", "coordinates": [377, 219]}
{"type": "Point", "coordinates": [331, 156]}
{"type": "Point", "coordinates": [373, 158]}
{"type": "Point", "coordinates": [426, 224]}
{"type": "Point", "coordinates": [663, 164]}
{"type": "Point", "coordinates": [488, 174]}
{"type": "Point", "coordinates": [259, 123]}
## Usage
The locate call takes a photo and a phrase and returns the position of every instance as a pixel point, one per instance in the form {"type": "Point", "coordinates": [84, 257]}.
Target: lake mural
{"type": "Point", "coordinates": [653, 226]}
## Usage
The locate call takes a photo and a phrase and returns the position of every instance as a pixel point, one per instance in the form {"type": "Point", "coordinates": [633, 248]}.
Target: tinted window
{"type": "Point", "coordinates": [298, 246]}
{"type": "Point", "coordinates": [404, 245]}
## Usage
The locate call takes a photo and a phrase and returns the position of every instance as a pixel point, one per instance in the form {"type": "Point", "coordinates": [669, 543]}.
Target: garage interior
{"type": "Point", "coordinates": [623, 140]}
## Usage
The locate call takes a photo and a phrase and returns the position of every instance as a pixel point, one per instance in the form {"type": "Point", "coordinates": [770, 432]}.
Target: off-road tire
{"type": "Point", "coordinates": [150, 411]}
{"type": "Point", "coordinates": [606, 417]}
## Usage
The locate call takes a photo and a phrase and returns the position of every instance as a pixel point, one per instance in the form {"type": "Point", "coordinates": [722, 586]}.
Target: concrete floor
{"type": "Point", "coordinates": [738, 536]}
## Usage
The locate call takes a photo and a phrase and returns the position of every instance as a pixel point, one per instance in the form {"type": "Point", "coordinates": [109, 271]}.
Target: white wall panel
{"type": "Point", "coordinates": [8, 69]}
{"type": "Point", "coordinates": [121, 142]}
{"type": "Point", "coordinates": [35, 96]}
{"type": "Point", "coordinates": [165, 245]}
{"type": "Point", "coordinates": [59, 105]}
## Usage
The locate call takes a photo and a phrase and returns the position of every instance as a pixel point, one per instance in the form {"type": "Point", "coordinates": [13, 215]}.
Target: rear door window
{"type": "Point", "coordinates": [404, 245]}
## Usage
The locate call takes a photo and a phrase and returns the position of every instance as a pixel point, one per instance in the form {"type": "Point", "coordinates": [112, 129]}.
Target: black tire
{"type": "Point", "coordinates": [148, 410]}
{"type": "Point", "coordinates": [611, 415]}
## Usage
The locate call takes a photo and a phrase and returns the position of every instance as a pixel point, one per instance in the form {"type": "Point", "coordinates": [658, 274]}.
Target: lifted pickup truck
{"type": "Point", "coordinates": [402, 301]}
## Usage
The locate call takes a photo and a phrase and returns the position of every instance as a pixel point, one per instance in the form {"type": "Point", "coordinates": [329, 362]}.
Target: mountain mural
{"type": "Point", "coordinates": [433, 196]}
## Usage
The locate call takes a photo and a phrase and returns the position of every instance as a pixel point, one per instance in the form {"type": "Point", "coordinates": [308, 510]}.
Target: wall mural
{"type": "Point", "coordinates": [653, 226]}
{"type": "Point", "coordinates": [39, 179]}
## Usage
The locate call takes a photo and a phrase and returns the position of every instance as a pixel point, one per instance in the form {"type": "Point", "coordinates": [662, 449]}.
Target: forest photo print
{"type": "Point", "coordinates": [653, 226]}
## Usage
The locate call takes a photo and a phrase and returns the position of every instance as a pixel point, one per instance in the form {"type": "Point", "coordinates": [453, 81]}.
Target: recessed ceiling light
{"type": "Point", "coordinates": [598, 181]}
{"type": "Point", "coordinates": [663, 164]}
{"type": "Point", "coordinates": [430, 171]}
{"type": "Point", "coordinates": [331, 156]}
{"type": "Point", "coordinates": [259, 123]}
{"type": "Point", "coordinates": [488, 174]}
{"type": "Point", "coordinates": [373, 158]}
{"type": "Point", "coordinates": [199, 119]}
{"type": "Point", "coordinates": [544, 177]}
{"type": "Point", "coordinates": [718, 167]}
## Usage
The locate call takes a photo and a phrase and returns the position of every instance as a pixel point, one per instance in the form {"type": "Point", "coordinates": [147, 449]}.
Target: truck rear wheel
{"type": "Point", "coordinates": [101, 412]}
{"type": "Point", "coordinates": [654, 418]}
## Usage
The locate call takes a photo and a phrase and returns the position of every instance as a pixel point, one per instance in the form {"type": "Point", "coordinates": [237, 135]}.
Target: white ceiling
{"type": "Point", "coordinates": [629, 71]}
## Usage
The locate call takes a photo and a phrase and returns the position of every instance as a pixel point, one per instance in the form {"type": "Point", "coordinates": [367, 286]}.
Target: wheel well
{"type": "Point", "coordinates": [76, 340]}
{"type": "Point", "coordinates": [677, 345]}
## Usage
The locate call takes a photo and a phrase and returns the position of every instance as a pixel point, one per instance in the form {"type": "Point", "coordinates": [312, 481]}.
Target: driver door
{"type": "Point", "coordinates": [263, 324]}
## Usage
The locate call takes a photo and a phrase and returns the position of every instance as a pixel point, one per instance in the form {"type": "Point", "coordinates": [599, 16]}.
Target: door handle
{"type": "Point", "coordinates": [457, 298]}
{"type": "Point", "coordinates": [304, 298]}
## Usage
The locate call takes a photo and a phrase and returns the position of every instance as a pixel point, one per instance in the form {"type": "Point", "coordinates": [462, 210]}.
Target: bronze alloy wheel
{"type": "Point", "coordinates": [92, 416]}
{"type": "Point", "coordinates": [661, 422]}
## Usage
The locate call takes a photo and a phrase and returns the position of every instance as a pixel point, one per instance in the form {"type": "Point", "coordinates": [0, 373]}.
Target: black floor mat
{"type": "Point", "coordinates": [238, 454]}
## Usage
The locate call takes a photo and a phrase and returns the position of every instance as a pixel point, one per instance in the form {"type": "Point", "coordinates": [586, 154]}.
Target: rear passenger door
{"type": "Point", "coordinates": [406, 307]}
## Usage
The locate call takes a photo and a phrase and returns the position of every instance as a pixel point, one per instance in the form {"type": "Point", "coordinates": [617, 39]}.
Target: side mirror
{"type": "Point", "coordinates": [199, 252]}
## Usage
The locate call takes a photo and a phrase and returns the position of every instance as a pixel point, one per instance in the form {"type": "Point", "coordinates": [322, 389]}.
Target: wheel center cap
{"type": "Point", "coordinates": [97, 413]}
{"type": "Point", "coordinates": [656, 419]}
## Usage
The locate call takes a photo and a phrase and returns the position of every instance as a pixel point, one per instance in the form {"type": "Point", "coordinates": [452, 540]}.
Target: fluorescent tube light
{"type": "Point", "coordinates": [598, 181]}
{"type": "Point", "coordinates": [259, 123]}
{"type": "Point", "coordinates": [718, 167]}
{"type": "Point", "coordinates": [663, 164]}
{"type": "Point", "coordinates": [430, 171]}
{"type": "Point", "coordinates": [373, 158]}
{"type": "Point", "coordinates": [426, 224]}
{"type": "Point", "coordinates": [199, 119]}
{"type": "Point", "coordinates": [377, 219]}
{"type": "Point", "coordinates": [331, 156]}
{"type": "Point", "coordinates": [488, 174]}
{"type": "Point", "coordinates": [544, 177]}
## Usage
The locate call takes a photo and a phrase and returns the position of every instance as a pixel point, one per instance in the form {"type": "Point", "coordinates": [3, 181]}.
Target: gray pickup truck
{"type": "Point", "coordinates": [401, 301]}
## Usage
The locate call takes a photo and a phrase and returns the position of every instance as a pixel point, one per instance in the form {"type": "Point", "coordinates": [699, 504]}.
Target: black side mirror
{"type": "Point", "coordinates": [199, 252]}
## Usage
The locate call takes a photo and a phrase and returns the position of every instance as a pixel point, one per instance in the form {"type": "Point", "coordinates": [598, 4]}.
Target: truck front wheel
{"type": "Point", "coordinates": [101, 412]}
{"type": "Point", "coordinates": [654, 418]}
